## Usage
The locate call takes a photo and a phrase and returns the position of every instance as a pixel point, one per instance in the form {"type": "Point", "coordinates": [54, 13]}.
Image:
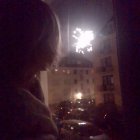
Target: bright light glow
{"type": "Point", "coordinates": [78, 95]}
{"type": "Point", "coordinates": [84, 39]}
{"type": "Point", "coordinates": [81, 109]}
{"type": "Point", "coordinates": [105, 116]}
{"type": "Point", "coordinates": [72, 128]}
{"type": "Point", "coordinates": [91, 137]}
{"type": "Point", "coordinates": [82, 123]}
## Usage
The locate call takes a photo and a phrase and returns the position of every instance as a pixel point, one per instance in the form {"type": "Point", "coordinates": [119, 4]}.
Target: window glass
{"type": "Point", "coordinates": [89, 58]}
{"type": "Point", "coordinates": [108, 80]}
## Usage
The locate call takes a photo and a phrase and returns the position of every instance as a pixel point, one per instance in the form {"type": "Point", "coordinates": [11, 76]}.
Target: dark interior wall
{"type": "Point", "coordinates": [128, 37]}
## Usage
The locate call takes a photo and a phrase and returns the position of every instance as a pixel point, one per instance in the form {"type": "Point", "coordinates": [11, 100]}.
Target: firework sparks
{"type": "Point", "coordinates": [84, 39]}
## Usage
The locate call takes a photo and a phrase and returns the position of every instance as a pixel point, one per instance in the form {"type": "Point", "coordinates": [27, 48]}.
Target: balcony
{"type": "Point", "coordinates": [105, 69]}
{"type": "Point", "coordinates": [107, 87]}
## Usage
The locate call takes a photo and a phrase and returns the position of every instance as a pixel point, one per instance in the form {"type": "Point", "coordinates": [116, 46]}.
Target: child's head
{"type": "Point", "coordinates": [29, 37]}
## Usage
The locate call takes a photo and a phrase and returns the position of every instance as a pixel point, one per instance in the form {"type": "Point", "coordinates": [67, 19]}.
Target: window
{"type": "Point", "coordinates": [108, 80]}
{"type": "Point", "coordinates": [75, 71]}
{"type": "Point", "coordinates": [81, 77]}
{"type": "Point", "coordinates": [81, 86]}
{"type": "Point", "coordinates": [81, 71]}
{"type": "Point", "coordinates": [106, 47]}
{"type": "Point", "coordinates": [76, 90]}
{"type": "Point", "coordinates": [66, 81]}
{"type": "Point", "coordinates": [109, 98]}
{"type": "Point", "coordinates": [88, 90]}
{"type": "Point", "coordinates": [87, 71]}
{"type": "Point", "coordinates": [87, 81]}
{"type": "Point", "coordinates": [75, 81]}
{"type": "Point", "coordinates": [94, 75]}
{"type": "Point", "coordinates": [106, 62]}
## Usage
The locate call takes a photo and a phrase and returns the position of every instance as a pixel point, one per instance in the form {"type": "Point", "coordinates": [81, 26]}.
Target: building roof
{"type": "Point", "coordinates": [75, 60]}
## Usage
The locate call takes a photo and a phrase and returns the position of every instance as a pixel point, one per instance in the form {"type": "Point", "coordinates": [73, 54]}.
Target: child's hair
{"type": "Point", "coordinates": [28, 30]}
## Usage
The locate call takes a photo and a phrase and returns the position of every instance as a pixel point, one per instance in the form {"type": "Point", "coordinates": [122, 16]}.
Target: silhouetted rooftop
{"type": "Point", "coordinates": [75, 60]}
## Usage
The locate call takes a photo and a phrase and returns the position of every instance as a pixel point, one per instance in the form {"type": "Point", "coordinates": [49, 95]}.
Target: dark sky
{"type": "Point", "coordinates": [86, 14]}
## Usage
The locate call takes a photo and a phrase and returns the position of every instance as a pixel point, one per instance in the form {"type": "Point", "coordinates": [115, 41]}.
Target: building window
{"type": "Point", "coordinates": [87, 81]}
{"type": "Point", "coordinates": [108, 80]}
{"type": "Point", "coordinates": [109, 98]}
{"type": "Point", "coordinates": [81, 86]}
{"type": "Point", "coordinates": [106, 47]}
{"type": "Point", "coordinates": [67, 82]}
{"type": "Point", "coordinates": [81, 71]}
{"type": "Point", "coordinates": [87, 71]}
{"type": "Point", "coordinates": [68, 71]}
{"type": "Point", "coordinates": [106, 62]}
{"type": "Point", "coordinates": [81, 77]}
{"type": "Point", "coordinates": [75, 71]}
{"type": "Point", "coordinates": [88, 91]}
{"type": "Point", "coordinates": [75, 81]}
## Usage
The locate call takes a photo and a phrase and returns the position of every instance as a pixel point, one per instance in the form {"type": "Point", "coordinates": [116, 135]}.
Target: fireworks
{"type": "Point", "coordinates": [84, 39]}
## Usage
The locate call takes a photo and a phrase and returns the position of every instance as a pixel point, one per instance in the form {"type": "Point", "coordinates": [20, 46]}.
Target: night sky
{"type": "Point", "coordinates": [86, 14]}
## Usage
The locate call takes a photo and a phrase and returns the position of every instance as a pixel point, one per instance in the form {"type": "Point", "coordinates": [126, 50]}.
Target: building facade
{"type": "Point", "coordinates": [72, 80]}
{"type": "Point", "coordinates": [105, 59]}
{"type": "Point", "coordinates": [97, 79]}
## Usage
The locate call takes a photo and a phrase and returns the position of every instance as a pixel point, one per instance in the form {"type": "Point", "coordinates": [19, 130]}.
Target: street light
{"type": "Point", "coordinates": [78, 95]}
{"type": "Point", "coordinates": [84, 39]}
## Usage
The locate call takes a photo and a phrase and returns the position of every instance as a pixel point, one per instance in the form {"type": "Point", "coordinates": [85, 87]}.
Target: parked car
{"type": "Point", "coordinates": [77, 113]}
{"type": "Point", "coordinates": [77, 130]}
